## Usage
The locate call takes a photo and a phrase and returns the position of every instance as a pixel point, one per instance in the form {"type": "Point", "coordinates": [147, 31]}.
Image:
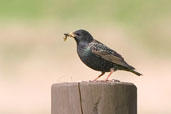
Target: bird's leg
{"type": "Point", "coordinates": [99, 76]}
{"type": "Point", "coordinates": [111, 71]}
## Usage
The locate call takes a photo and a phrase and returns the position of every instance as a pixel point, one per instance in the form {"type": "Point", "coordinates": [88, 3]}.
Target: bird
{"type": "Point", "coordinates": [98, 56]}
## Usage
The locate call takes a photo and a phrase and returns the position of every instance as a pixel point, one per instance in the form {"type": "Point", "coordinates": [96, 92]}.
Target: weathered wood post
{"type": "Point", "coordinates": [94, 98]}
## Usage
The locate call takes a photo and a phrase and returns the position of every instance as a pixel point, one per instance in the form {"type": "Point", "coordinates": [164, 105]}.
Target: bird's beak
{"type": "Point", "coordinates": [71, 35]}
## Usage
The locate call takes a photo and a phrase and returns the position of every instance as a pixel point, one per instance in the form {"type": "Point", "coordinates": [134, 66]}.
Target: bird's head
{"type": "Point", "coordinates": [80, 36]}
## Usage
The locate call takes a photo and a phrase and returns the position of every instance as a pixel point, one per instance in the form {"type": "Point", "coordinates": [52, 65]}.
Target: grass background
{"type": "Point", "coordinates": [33, 54]}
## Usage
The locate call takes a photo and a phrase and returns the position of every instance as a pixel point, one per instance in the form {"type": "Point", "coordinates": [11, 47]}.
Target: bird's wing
{"type": "Point", "coordinates": [108, 54]}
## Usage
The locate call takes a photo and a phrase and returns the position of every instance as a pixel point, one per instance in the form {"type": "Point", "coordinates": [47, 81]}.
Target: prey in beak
{"type": "Point", "coordinates": [69, 35]}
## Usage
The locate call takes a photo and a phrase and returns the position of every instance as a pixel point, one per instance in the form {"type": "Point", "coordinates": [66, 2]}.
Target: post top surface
{"type": "Point", "coordinates": [112, 83]}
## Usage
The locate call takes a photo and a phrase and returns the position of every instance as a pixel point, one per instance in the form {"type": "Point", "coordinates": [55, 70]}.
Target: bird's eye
{"type": "Point", "coordinates": [78, 34]}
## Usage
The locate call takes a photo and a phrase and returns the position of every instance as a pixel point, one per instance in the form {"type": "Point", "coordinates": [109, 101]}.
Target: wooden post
{"type": "Point", "coordinates": [94, 98]}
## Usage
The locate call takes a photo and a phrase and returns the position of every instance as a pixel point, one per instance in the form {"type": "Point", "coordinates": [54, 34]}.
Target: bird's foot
{"type": "Point", "coordinates": [93, 80]}
{"type": "Point", "coordinates": [97, 80]}
{"type": "Point", "coordinates": [113, 80]}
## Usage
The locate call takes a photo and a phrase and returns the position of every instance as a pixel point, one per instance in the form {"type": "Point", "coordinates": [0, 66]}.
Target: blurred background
{"type": "Point", "coordinates": [33, 54]}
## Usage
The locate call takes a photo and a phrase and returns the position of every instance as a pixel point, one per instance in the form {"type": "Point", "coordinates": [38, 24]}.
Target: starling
{"type": "Point", "coordinates": [98, 56]}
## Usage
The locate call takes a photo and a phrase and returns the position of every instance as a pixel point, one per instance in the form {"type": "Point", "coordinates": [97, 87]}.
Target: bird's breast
{"type": "Point", "coordinates": [83, 51]}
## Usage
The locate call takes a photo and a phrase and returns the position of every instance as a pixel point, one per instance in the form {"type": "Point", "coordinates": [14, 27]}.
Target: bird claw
{"type": "Point", "coordinates": [113, 80]}
{"type": "Point", "coordinates": [96, 80]}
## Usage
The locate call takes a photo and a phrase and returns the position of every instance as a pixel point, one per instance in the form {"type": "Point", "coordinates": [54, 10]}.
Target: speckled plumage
{"type": "Point", "coordinates": [98, 56]}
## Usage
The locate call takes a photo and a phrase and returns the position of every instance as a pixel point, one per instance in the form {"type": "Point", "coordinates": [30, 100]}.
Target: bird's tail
{"type": "Point", "coordinates": [135, 72]}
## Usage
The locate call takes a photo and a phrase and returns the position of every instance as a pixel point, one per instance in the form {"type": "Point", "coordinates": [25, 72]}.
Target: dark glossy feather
{"type": "Point", "coordinates": [108, 54]}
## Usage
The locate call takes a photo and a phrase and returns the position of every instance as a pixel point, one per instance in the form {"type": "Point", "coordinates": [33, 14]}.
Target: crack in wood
{"type": "Point", "coordinates": [79, 90]}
